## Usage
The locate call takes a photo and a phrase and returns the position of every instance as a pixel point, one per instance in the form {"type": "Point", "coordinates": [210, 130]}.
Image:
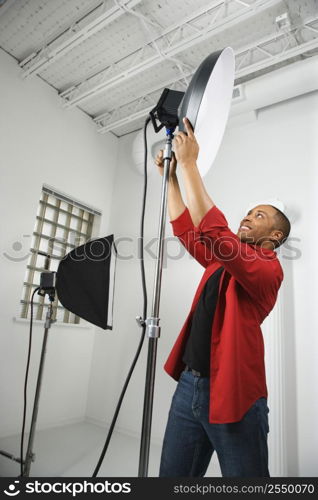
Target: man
{"type": "Point", "coordinates": [220, 403]}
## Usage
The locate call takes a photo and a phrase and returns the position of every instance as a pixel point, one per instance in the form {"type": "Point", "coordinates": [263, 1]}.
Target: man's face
{"type": "Point", "coordinates": [258, 225]}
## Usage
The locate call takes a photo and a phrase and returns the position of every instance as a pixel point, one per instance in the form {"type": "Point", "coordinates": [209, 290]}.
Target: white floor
{"type": "Point", "coordinates": [74, 450]}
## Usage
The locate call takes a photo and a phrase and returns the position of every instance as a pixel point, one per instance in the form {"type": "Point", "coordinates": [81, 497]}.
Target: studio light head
{"type": "Point", "coordinates": [166, 111]}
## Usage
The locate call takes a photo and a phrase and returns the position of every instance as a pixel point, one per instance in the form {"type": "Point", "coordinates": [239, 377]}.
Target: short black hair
{"type": "Point", "coordinates": [282, 224]}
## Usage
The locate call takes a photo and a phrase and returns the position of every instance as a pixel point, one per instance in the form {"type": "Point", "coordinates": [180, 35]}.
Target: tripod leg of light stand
{"type": "Point", "coordinates": [152, 324]}
{"type": "Point", "coordinates": [29, 454]}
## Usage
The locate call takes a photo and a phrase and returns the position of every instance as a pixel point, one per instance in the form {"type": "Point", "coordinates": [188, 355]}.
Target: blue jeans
{"type": "Point", "coordinates": [190, 439]}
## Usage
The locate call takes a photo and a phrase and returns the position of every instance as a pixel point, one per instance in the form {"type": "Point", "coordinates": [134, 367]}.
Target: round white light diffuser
{"type": "Point", "coordinates": [207, 103]}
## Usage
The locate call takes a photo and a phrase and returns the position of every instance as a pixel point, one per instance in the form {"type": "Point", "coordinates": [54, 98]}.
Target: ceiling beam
{"type": "Point", "coordinates": [124, 121]}
{"type": "Point", "coordinates": [39, 60]}
{"type": "Point", "coordinates": [66, 95]}
{"type": "Point", "coordinates": [99, 119]}
{"type": "Point", "coordinates": [273, 58]}
{"type": "Point", "coordinates": [268, 60]}
{"type": "Point", "coordinates": [75, 95]}
{"type": "Point", "coordinates": [141, 17]}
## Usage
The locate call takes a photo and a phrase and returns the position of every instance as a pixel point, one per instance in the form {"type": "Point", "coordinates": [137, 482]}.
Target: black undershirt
{"type": "Point", "coordinates": [197, 350]}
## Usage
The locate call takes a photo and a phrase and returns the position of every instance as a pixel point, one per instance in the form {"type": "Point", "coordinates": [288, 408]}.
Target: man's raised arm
{"type": "Point", "coordinates": [180, 218]}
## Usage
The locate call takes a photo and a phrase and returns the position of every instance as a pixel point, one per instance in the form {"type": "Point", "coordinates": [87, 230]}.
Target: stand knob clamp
{"type": "Point", "coordinates": [152, 326]}
{"type": "Point", "coordinates": [140, 322]}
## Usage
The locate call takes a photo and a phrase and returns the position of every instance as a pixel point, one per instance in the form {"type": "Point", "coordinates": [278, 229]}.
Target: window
{"type": "Point", "coordinates": [61, 224]}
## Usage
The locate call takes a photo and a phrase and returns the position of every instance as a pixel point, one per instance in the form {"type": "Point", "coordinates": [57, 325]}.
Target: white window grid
{"type": "Point", "coordinates": [62, 224]}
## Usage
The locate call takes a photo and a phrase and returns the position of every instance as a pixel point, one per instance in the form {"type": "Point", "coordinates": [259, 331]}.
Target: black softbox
{"type": "Point", "coordinates": [85, 281]}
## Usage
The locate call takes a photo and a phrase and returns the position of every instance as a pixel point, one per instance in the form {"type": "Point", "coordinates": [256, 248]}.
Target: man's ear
{"type": "Point", "coordinates": [276, 235]}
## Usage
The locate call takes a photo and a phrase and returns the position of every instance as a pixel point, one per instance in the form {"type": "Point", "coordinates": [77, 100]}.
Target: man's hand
{"type": "Point", "coordinates": [185, 146]}
{"type": "Point", "coordinates": [160, 163]}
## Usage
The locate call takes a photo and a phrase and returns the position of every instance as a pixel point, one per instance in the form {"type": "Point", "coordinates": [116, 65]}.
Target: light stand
{"type": "Point", "coordinates": [47, 286]}
{"type": "Point", "coordinates": [166, 112]}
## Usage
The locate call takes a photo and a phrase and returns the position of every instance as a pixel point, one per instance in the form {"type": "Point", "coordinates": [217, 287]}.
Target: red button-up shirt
{"type": "Point", "coordinates": [247, 293]}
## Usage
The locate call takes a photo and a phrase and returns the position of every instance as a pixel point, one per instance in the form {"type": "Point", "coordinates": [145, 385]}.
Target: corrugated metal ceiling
{"type": "Point", "coordinates": [113, 58]}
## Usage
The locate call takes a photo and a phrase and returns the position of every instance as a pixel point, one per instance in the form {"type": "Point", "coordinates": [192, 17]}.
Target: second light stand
{"type": "Point", "coordinates": [47, 287]}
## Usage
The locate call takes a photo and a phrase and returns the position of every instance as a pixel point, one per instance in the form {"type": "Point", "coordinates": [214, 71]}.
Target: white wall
{"type": "Point", "coordinates": [43, 143]}
{"type": "Point", "coordinates": [273, 155]}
